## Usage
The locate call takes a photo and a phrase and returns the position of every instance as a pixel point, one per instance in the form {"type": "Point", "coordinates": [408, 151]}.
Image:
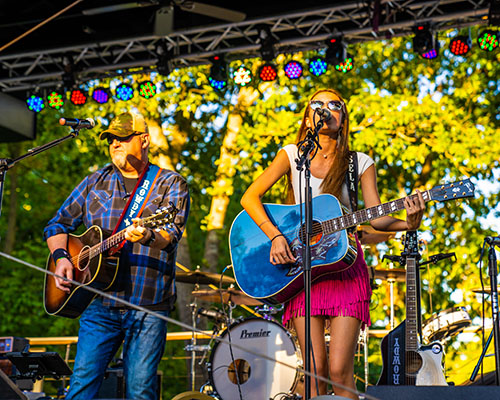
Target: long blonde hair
{"type": "Point", "coordinates": [335, 177]}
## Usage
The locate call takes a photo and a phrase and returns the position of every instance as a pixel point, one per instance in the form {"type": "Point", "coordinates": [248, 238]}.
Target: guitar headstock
{"type": "Point", "coordinates": [162, 217]}
{"type": "Point", "coordinates": [455, 190]}
{"type": "Point", "coordinates": [410, 242]}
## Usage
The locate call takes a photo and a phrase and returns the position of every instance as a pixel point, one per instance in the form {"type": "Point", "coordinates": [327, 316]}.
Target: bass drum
{"type": "Point", "coordinates": [258, 377]}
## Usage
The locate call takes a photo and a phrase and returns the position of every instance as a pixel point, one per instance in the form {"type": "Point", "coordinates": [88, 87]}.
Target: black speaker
{"type": "Point", "coordinates": [113, 386]}
{"type": "Point", "coordinates": [434, 392]}
{"type": "Point", "coordinates": [9, 390]}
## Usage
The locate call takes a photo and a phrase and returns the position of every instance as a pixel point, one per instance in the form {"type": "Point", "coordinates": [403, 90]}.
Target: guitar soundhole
{"type": "Point", "coordinates": [317, 233]}
{"type": "Point", "coordinates": [83, 259]}
{"type": "Point", "coordinates": [413, 362]}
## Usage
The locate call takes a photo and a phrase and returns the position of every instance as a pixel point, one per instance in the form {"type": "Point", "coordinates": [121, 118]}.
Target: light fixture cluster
{"type": "Point", "coordinates": [55, 99]}
{"type": "Point", "coordinates": [426, 44]}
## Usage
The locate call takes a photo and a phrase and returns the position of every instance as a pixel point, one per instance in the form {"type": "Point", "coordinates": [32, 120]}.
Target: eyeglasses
{"type": "Point", "coordinates": [111, 138]}
{"type": "Point", "coordinates": [334, 105]}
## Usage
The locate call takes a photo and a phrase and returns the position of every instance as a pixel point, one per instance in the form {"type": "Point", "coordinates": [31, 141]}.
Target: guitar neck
{"type": "Point", "coordinates": [107, 244]}
{"type": "Point", "coordinates": [411, 304]}
{"type": "Point", "coordinates": [368, 214]}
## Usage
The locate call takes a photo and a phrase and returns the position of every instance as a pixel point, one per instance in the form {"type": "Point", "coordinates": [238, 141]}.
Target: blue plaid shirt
{"type": "Point", "coordinates": [145, 274]}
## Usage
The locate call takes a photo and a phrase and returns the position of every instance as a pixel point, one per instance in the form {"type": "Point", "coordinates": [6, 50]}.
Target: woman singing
{"type": "Point", "coordinates": [342, 300]}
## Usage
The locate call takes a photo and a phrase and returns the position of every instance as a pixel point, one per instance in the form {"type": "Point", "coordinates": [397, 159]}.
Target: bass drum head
{"type": "Point", "coordinates": [259, 378]}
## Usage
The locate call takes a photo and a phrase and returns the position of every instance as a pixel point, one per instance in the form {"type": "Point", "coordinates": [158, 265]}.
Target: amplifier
{"type": "Point", "coordinates": [12, 343]}
{"type": "Point", "coordinates": [113, 385]}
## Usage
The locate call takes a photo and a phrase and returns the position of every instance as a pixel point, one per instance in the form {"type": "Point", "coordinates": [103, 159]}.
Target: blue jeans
{"type": "Point", "coordinates": [102, 330]}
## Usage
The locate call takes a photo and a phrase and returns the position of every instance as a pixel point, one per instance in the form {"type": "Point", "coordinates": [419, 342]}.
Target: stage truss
{"type": "Point", "coordinates": [356, 21]}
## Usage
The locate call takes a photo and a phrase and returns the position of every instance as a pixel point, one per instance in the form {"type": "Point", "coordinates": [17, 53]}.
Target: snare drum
{"type": "Point", "coordinates": [259, 378]}
{"type": "Point", "coordinates": [445, 324]}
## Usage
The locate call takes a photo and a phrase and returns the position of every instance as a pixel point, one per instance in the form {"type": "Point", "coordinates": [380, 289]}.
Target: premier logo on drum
{"type": "Point", "coordinates": [255, 334]}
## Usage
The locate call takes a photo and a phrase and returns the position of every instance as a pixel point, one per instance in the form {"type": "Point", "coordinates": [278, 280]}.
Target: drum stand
{"type": "Point", "coordinates": [193, 347]}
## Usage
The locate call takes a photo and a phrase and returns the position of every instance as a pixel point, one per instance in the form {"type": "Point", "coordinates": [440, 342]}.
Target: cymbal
{"type": "Point", "coordinates": [392, 274]}
{"type": "Point", "coordinates": [233, 295]}
{"type": "Point", "coordinates": [487, 290]}
{"type": "Point", "coordinates": [369, 235]}
{"type": "Point", "coordinates": [202, 278]}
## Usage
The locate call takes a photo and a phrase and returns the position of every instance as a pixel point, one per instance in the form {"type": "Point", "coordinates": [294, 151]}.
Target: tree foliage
{"type": "Point", "coordinates": [423, 122]}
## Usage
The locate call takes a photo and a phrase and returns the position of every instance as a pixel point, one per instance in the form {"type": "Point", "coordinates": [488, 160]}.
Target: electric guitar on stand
{"type": "Point", "coordinates": [94, 265]}
{"type": "Point", "coordinates": [405, 361]}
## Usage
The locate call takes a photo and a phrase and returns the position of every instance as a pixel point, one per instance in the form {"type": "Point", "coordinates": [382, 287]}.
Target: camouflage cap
{"type": "Point", "coordinates": [124, 125]}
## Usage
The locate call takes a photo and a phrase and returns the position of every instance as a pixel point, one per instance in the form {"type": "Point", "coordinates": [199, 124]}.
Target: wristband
{"type": "Point", "coordinates": [60, 253]}
{"type": "Point", "coordinates": [278, 235]}
{"type": "Point", "coordinates": [150, 240]}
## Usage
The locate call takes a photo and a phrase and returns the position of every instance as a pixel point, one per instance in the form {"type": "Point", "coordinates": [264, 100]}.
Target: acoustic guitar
{"type": "Point", "coordinates": [95, 264]}
{"type": "Point", "coordinates": [333, 249]}
{"type": "Point", "coordinates": [405, 361]}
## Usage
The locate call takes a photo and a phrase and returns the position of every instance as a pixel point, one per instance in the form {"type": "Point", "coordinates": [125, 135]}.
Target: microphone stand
{"type": "Point", "coordinates": [7, 163]}
{"type": "Point", "coordinates": [308, 147]}
{"type": "Point", "coordinates": [495, 333]}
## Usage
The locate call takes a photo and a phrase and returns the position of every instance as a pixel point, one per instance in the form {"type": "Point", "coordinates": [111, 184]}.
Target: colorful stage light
{"type": "Point", "coordinates": [218, 73]}
{"type": "Point", "coordinates": [346, 65]}
{"type": "Point", "coordinates": [56, 100]}
{"type": "Point", "coordinates": [268, 73]}
{"type": "Point", "coordinates": [147, 89]}
{"type": "Point", "coordinates": [317, 66]}
{"type": "Point", "coordinates": [293, 70]}
{"type": "Point", "coordinates": [460, 45]}
{"type": "Point", "coordinates": [35, 103]}
{"type": "Point", "coordinates": [124, 92]}
{"type": "Point", "coordinates": [78, 97]}
{"type": "Point", "coordinates": [488, 40]}
{"type": "Point", "coordinates": [425, 43]}
{"type": "Point", "coordinates": [242, 76]}
{"type": "Point", "coordinates": [100, 95]}
{"type": "Point", "coordinates": [217, 84]}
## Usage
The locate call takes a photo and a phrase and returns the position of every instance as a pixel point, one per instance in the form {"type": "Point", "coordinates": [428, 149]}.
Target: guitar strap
{"type": "Point", "coordinates": [137, 200]}
{"type": "Point", "coordinates": [352, 180]}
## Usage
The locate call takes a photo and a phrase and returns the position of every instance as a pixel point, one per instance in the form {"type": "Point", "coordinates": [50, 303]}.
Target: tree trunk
{"type": "Point", "coordinates": [223, 185]}
{"type": "Point", "coordinates": [13, 174]}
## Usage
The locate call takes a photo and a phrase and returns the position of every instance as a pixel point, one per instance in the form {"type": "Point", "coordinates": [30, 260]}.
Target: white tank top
{"type": "Point", "coordinates": [364, 161]}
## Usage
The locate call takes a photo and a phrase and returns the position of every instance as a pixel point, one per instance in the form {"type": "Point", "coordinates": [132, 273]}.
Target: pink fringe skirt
{"type": "Point", "coordinates": [346, 293]}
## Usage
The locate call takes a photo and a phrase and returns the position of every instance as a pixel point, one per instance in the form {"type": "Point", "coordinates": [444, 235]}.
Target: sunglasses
{"type": "Point", "coordinates": [111, 138]}
{"type": "Point", "coordinates": [334, 105]}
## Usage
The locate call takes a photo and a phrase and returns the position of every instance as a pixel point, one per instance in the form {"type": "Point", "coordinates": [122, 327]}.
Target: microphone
{"type": "Point", "coordinates": [492, 241]}
{"type": "Point", "coordinates": [76, 123]}
{"type": "Point", "coordinates": [324, 114]}
{"type": "Point", "coordinates": [216, 315]}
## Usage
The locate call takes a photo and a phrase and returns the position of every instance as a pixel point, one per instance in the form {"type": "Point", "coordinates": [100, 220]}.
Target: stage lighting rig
{"type": "Point", "coordinates": [488, 40]}
{"type": "Point", "coordinates": [460, 45]}
{"type": "Point", "coordinates": [317, 66]}
{"type": "Point", "coordinates": [124, 92]}
{"type": "Point", "coordinates": [336, 51]}
{"type": "Point", "coordinates": [242, 76]}
{"type": "Point", "coordinates": [35, 103]}
{"type": "Point", "coordinates": [268, 72]}
{"type": "Point", "coordinates": [267, 41]}
{"type": "Point", "coordinates": [147, 89]}
{"type": "Point", "coordinates": [164, 64]}
{"type": "Point", "coordinates": [55, 100]}
{"type": "Point", "coordinates": [78, 97]}
{"type": "Point", "coordinates": [100, 95]}
{"type": "Point", "coordinates": [293, 70]}
{"type": "Point", "coordinates": [218, 72]}
{"type": "Point", "coordinates": [425, 43]}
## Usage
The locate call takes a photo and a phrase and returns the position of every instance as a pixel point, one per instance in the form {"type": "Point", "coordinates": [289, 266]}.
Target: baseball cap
{"type": "Point", "coordinates": [124, 125]}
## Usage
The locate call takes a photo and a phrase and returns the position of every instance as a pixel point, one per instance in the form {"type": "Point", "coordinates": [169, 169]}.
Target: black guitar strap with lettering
{"type": "Point", "coordinates": [352, 180]}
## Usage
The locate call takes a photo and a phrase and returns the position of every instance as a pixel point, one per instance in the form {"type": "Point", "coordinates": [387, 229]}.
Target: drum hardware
{"type": "Point", "coordinates": [228, 295]}
{"type": "Point", "coordinates": [203, 278]}
{"type": "Point", "coordinates": [267, 311]}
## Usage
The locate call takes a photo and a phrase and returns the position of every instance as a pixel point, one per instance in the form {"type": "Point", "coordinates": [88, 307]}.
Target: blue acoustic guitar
{"type": "Point", "coordinates": [333, 249]}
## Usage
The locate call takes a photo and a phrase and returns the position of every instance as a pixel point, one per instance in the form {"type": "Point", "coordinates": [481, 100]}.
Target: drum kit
{"type": "Point", "coordinates": [232, 369]}
{"type": "Point", "coordinates": [233, 372]}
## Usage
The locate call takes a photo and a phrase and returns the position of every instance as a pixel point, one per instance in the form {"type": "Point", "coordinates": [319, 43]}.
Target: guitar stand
{"type": "Point", "coordinates": [495, 332]}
